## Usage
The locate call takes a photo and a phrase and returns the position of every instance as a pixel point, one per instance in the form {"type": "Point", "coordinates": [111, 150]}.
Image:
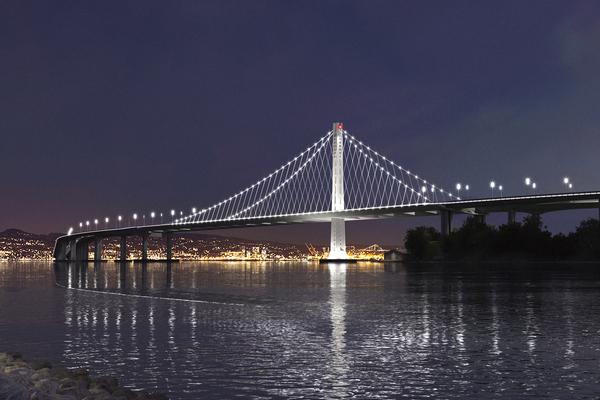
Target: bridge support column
{"type": "Point", "coordinates": [512, 216]}
{"type": "Point", "coordinates": [145, 247]}
{"type": "Point", "coordinates": [337, 248]}
{"type": "Point", "coordinates": [123, 249]}
{"type": "Point", "coordinates": [169, 245]}
{"type": "Point", "coordinates": [446, 222]}
{"type": "Point", "coordinates": [81, 250]}
{"type": "Point", "coordinates": [98, 249]}
{"type": "Point", "coordinates": [61, 250]}
{"type": "Point", "coordinates": [481, 218]}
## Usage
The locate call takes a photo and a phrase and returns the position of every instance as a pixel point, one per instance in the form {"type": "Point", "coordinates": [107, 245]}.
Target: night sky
{"type": "Point", "coordinates": [115, 107]}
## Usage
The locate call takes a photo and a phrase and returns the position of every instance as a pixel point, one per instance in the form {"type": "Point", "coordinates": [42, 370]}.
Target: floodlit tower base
{"type": "Point", "coordinates": [337, 249]}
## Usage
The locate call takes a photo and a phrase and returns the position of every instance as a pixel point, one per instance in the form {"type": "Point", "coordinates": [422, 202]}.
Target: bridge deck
{"type": "Point", "coordinates": [528, 204]}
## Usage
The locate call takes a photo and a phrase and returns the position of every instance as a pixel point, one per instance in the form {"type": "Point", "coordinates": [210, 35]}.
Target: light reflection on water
{"type": "Point", "coordinates": [269, 330]}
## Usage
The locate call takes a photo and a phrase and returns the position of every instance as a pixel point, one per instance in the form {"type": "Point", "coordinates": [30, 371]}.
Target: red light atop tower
{"type": "Point", "coordinates": [340, 126]}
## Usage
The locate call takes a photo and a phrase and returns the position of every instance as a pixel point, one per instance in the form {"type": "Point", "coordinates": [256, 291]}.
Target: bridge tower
{"type": "Point", "coordinates": [337, 249]}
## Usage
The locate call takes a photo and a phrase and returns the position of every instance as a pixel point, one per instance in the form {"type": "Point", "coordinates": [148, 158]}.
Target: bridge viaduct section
{"type": "Point", "coordinates": [77, 248]}
{"type": "Point", "coordinates": [74, 247]}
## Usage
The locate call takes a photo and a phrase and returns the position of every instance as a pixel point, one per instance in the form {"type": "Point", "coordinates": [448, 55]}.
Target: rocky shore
{"type": "Point", "coordinates": [38, 380]}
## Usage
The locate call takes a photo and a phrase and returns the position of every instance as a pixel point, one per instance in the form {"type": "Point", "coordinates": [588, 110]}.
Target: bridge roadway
{"type": "Point", "coordinates": [75, 246]}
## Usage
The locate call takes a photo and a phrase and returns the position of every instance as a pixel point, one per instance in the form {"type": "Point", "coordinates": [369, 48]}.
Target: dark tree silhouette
{"type": "Point", "coordinates": [419, 242]}
{"type": "Point", "coordinates": [527, 240]}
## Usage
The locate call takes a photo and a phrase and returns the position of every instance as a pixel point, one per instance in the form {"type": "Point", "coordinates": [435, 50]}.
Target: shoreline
{"type": "Point", "coordinates": [39, 380]}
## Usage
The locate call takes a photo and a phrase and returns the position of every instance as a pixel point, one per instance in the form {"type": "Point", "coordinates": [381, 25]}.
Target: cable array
{"type": "Point", "coordinates": [303, 186]}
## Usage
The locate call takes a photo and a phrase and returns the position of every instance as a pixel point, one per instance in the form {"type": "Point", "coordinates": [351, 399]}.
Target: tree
{"type": "Point", "coordinates": [474, 237]}
{"type": "Point", "coordinates": [419, 242]}
{"type": "Point", "coordinates": [587, 238]}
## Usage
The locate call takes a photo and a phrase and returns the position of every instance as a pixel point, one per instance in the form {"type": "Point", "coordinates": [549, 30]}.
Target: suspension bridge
{"type": "Point", "coordinates": [336, 179]}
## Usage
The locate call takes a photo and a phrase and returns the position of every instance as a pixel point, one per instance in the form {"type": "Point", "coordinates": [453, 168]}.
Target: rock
{"type": "Point", "coordinates": [40, 364]}
{"type": "Point", "coordinates": [13, 369]}
{"type": "Point", "coordinates": [124, 394]}
{"type": "Point", "coordinates": [63, 397]}
{"type": "Point", "coordinates": [107, 383]}
{"type": "Point", "coordinates": [153, 396]}
{"type": "Point", "coordinates": [43, 373]}
{"type": "Point", "coordinates": [14, 355]}
{"type": "Point", "coordinates": [46, 386]}
{"type": "Point", "coordinates": [67, 386]}
{"type": "Point", "coordinates": [59, 373]}
{"type": "Point", "coordinates": [80, 372]}
{"type": "Point", "coordinates": [97, 393]}
{"type": "Point", "coordinates": [37, 380]}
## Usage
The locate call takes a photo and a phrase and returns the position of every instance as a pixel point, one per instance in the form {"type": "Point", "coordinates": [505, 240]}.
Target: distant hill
{"type": "Point", "coordinates": [18, 244]}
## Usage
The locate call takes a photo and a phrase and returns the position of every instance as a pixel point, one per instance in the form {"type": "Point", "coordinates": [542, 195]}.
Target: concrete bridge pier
{"type": "Point", "coordinates": [98, 249]}
{"type": "Point", "coordinates": [145, 247]}
{"type": "Point", "coordinates": [169, 245]}
{"type": "Point", "coordinates": [81, 250]}
{"type": "Point", "coordinates": [446, 222]}
{"type": "Point", "coordinates": [62, 250]}
{"type": "Point", "coordinates": [123, 249]}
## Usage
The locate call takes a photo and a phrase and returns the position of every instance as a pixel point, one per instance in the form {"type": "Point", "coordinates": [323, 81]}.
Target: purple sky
{"type": "Point", "coordinates": [114, 107]}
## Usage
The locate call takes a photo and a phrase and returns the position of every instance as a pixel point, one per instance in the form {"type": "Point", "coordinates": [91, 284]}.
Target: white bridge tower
{"type": "Point", "coordinates": [337, 249]}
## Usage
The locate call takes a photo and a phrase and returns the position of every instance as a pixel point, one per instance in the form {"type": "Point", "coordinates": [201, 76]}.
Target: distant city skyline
{"type": "Point", "coordinates": [112, 110]}
{"type": "Point", "coordinates": [16, 244]}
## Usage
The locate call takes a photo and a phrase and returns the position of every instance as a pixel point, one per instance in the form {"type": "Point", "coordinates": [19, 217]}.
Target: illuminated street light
{"type": "Point", "coordinates": [80, 226]}
{"type": "Point", "coordinates": [568, 183]}
{"type": "Point", "coordinates": [527, 181]}
{"type": "Point", "coordinates": [106, 220]}
{"type": "Point", "coordinates": [96, 223]}
{"type": "Point", "coordinates": [161, 218]}
{"type": "Point", "coordinates": [458, 187]}
{"type": "Point", "coordinates": [492, 186]}
{"type": "Point", "coordinates": [87, 224]}
{"type": "Point", "coordinates": [193, 210]}
{"type": "Point", "coordinates": [135, 219]}
{"type": "Point", "coordinates": [500, 189]}
{"type": "Point", "coordinates": [70, 231]}
{"type": "Point", "coordinates": [172, 215]}
{"type": "Point", "coordinates": [533, 186]}
{"type": "Point", "coordinates": [119, 218]}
